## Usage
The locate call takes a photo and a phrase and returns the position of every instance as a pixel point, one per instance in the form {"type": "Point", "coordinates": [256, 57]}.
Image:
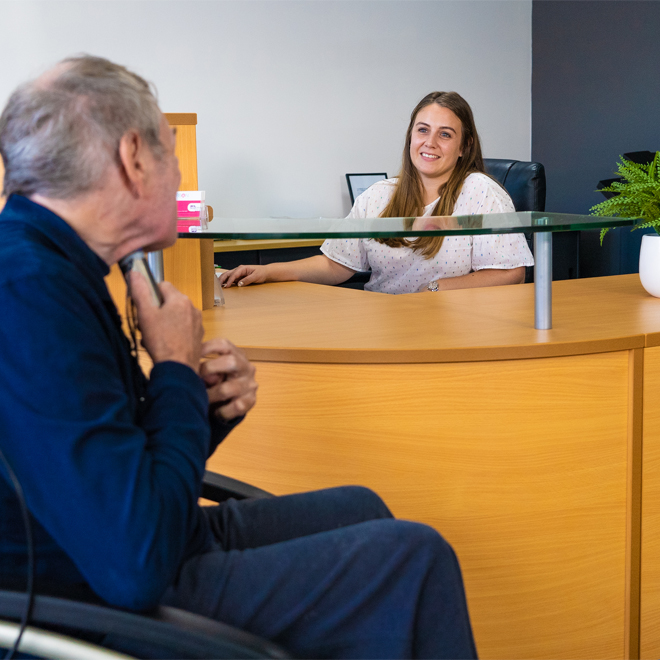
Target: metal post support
{"type": "Point", "coordinates": [543, 280]}
{"type": "Point", "coordinates": [155, 261]}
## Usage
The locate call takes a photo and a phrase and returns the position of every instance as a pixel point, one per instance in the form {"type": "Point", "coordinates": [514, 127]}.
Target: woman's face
{"type": "Point", "coordinates": [435, 144]}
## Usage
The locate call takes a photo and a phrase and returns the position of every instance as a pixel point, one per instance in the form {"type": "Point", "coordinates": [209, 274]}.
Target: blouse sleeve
{"type": "Point", "coordinates": [482, 195]}
{"type": "Point", "coordinates": [350, 252]}
{"type": "Point", "coordinates": [500, 251]}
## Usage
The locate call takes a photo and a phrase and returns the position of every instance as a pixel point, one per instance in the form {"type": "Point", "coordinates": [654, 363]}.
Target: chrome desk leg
{"type": "Point", "coordinates": [543, 280]}
{"type": "Point", "coordinates": [155, 261]}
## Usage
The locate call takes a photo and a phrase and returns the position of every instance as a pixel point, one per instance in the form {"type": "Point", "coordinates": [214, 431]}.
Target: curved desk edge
{"type": "Point", "coordinates": [421, 356]}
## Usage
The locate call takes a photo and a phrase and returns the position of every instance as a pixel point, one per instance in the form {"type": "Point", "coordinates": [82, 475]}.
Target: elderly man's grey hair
{"type": "Point", "coordinates": [59, 133]}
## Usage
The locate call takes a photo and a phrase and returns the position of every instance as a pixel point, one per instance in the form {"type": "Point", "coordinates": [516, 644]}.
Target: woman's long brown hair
{"type": "Point", "coordinates": [408, 201]}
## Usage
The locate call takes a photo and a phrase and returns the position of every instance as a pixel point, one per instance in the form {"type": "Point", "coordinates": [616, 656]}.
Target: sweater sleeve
{"type": "Point", "coordinates": [220, 429]}
{"type": "Point", "coordinates": [115, 486]}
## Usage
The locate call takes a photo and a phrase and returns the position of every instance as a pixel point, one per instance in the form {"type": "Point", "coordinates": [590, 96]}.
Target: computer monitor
{"type": "Point", "coordinates": [358, 183]}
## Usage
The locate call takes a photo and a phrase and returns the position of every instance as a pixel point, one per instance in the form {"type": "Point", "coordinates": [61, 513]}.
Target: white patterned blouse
{"type": "Point", "coordinates": [401, 270]}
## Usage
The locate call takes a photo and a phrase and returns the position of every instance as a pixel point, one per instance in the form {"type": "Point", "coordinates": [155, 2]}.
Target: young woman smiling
{"type": "Point", "coordinates": [442, 174]}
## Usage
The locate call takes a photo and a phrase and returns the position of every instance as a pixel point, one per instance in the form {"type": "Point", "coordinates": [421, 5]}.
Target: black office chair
{"type": "Point", "coordinates": [166, 632]}
{"type": "Point", "coordinates": [525, 183]}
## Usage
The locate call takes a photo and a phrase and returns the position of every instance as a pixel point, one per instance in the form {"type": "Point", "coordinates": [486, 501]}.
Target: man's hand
{"type": "Point", "coordinates": [170, 332]}
{"type": "Point", "coordinates": [229, 378]}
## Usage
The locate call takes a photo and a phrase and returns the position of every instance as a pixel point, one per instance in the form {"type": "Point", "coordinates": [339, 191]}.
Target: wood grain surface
{"type": "Point", "coordinates": [181, 118]}
{"type": "Point", "coordinates": [634, 502]}
{"type": "Point", "coordinates": [522, 447]}
{"type": "Point", "coordinates": [265, 244]}
{"type": "Point", "coordinates": [521, 465]}
{"type": "Point", "coordinates": [650, 591]}
{"type": "Point", "coordinates": [312, 323]}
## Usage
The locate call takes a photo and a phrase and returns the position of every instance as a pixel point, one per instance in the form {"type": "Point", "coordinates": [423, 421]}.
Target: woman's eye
{"type": "Point", "coordinates": [445, 135]}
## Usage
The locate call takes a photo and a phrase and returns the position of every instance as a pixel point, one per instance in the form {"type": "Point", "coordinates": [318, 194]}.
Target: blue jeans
{"type": "Point", "coordinates": [330, 574]}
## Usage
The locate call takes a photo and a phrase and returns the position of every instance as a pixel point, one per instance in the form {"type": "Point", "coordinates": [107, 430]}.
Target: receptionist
{"type": "Point", "coordinates": [442, 174]}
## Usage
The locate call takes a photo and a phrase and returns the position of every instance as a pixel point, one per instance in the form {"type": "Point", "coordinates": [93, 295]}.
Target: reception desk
{"type": "Point", "coordinates": [522, 447]}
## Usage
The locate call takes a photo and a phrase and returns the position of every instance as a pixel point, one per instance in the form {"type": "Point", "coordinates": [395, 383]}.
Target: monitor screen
{"type": "Point", "coordinates": [358, 183]}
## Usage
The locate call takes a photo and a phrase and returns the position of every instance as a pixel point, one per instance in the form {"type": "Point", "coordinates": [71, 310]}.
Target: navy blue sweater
{"type": "Point", "coordinates": [111, 463]}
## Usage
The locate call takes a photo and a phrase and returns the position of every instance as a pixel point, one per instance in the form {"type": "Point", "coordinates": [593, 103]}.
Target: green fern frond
{"type": "Point", "coordinates": [654, 169]}
{"type": "Point", "coordinates": [637, 196]}
{"type": "Point", "coordinates": [633, 172]}
{"type": "Point", "coordinates": [651, 223]}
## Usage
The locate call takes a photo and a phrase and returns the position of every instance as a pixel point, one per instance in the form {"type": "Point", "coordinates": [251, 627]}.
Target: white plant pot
{"type": "Point", "coordinates": [649, 263]}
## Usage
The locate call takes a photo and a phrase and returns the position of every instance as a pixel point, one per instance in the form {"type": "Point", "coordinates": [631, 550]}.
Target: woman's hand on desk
{"type": "Point", "coordinates": [229, 378]}
{"type": "Point", "coordinates": [317, 270]}
{"type": "Point", "coordinates": [243, 275]}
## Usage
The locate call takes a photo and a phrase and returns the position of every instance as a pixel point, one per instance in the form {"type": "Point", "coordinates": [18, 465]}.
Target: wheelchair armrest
{"type": "Point", "coordinates": [164, 633]}
{"type": "Point", "coordinates": [218, 488]}
{"type": "Point", "coordinates": [242, 640]}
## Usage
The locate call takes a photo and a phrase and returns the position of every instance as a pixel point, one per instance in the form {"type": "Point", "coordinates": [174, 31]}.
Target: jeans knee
{"type": "Point", "coordinates": [428, 541]}
{"type": "Point", "coordinates": [367, 501]}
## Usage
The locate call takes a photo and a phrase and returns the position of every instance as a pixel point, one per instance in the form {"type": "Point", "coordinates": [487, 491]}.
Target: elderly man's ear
{"type": "Point", "coordinates": [135, 157]}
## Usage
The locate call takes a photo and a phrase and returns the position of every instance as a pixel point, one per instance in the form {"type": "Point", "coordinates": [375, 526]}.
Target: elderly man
{"type": "Point", "coordinates": [111, 462]}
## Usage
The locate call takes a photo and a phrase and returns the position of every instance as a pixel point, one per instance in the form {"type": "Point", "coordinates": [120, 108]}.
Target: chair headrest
{"type": "Point", "coordinates": [523, 180]}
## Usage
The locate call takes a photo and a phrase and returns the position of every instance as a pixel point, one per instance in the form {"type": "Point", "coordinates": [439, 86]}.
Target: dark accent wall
{"type": "Point", "coordinates": [595, 96]}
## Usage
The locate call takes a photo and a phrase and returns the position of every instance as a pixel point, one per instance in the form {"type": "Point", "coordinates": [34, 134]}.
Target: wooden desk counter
{"type": "Point", "coordinates": [307, 322]}
{"type": "Point", "coordinates": [265, 244]}
{"type": "Point", "coordinates": [522, 447]}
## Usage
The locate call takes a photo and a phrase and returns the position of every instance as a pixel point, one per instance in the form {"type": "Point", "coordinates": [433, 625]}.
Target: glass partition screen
{"type": "Point", "coordinates": [496, 223]}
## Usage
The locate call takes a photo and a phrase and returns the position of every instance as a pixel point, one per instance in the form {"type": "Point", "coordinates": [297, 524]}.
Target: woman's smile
{"type": "Point", "coordinates": [436, 145]}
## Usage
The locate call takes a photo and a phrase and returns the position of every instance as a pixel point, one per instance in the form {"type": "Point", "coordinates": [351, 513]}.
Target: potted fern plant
{"type": "Point", "coordinates": [637, 195]}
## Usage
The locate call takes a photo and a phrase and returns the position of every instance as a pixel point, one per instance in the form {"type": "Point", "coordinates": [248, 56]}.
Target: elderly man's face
{"type": "Point", "coordinates": [160, 216]}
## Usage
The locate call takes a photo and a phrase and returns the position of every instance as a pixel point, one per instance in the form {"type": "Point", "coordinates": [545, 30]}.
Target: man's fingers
{"type": "Point", "coordinates": [222, 365]}
{"type": "Point", "coordinates": [224, 358]}
{"type": "Point", "coordinates": [229, 377]}
{"type": "Point", "coordinates": [172, 331]}
{"type": "Point", "coordinates": [140, 291]}
{"type": "Point", "coordinates": [232, 388]}
{"type": "Point", "coordinates": [235, 407]}
{"type": "Point", "coordinates": [229, 365]}
{"type": "Point", "coordinates": [168, 289]}
{"type": "Point", "coordinates": [217, 345]}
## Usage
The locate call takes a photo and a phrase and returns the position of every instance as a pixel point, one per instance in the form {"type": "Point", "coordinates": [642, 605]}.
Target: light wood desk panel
{"type": "Point", "coordinates": [535, 507]}
{"type": "Point", "coordinates": [650, 596]}
{"type": "Point", "coordinates": [523, 447]}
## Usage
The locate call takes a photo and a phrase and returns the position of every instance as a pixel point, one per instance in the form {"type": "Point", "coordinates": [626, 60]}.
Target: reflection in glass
{"type": "Point", "coordinates": [495, 223]}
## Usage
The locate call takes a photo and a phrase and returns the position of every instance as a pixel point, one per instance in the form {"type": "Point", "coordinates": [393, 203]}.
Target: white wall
{"type": "Point", "coordinates": [292, 94]}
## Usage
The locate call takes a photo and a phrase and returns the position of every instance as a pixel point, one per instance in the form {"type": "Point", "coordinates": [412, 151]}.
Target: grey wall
{"type": "Point", "coordinates": [291, 95]}
{"type": "Point", "coordinates": [595, 96]}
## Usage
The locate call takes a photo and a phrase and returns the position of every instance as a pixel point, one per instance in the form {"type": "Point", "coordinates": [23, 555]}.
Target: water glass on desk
{"type": "Point", "coordinates": [218, 295]}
